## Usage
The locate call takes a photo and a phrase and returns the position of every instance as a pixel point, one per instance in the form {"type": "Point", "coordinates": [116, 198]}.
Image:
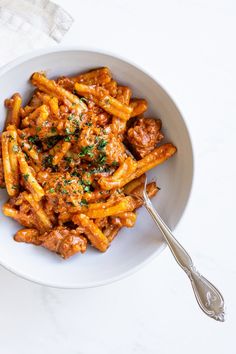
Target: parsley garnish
{"type": "Point", "coordinates": [26, 157]}
{"type": "Point", "coordinates": [100, 169]}
{"type": "Point", "coordinates": [115, 163]}
{"type": "Point", "coordinates": [53, 130]}
{"type": "Point", "coordinates": [83, 99]}
{"type": "Point", "coordinates": [102, 143]}
{"type": "Point", "coordinates": [67, 138]}
{"type": "Point", "coordinates": [47, 161]}
{"type": "Point", "coordinates": [26, 177]}
{"type": "Point", "coordinates": [64, 191]}
{"type": "Point", "coordinates": [87, 188]}
{"type": "Point", "coordinates": [51, 190]}
{"type": "Point", "coordinates": [101, 160]}
{"type": "Point", "coordinates": [84, 202]}
{"type": "Point", "coordinates": [86, 183]}
{"type": "Point", "coordinates": [76, 123]}
{"type": "Point", "coordinates": [86, 150]}
{"type": "Point", "coordinates": [33, 139]}
{"type": "Point", "coordinates": [75, 173]}
{"type": "Point", "coordinates": [68, 159]}
{"type": "Point", "coordinates": [68, 181]}
{"type": "Point", "coordinates": [71, 116]}
{"type": "Point", "coordinates": [68, 132]}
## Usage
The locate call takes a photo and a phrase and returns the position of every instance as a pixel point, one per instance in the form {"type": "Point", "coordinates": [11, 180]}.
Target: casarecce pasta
{"type": "Point", "coordinates": [65, 164]}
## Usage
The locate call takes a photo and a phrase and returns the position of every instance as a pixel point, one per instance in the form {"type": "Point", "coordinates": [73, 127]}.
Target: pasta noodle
{"type": "Point", "coordinates": [66, 161]}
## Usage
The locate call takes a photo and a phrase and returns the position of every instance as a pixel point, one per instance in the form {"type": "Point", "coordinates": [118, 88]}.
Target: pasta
{"type": "Point", "coordinates": [13, 105]}
{"type": "Point", "coordinates": [66, 165]}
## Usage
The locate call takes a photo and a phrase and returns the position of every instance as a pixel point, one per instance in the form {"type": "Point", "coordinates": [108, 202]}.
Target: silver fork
{"type": "Point", "coordinates": [207, 295]}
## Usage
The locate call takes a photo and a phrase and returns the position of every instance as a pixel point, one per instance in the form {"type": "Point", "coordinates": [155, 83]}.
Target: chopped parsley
{"type": "Point", "coordinates": [76, 123]}
{"type": "Point", "coordinates": [68, 132]}
{"type": "Point", "coordinates": [100, 169]}
{"type": "Point", "coordinates": [64, 191]}
{"type": "Point", "coordinates": [68, 181]}
{"type": "Point", "coordinates": [101, 144]}
{"type": "Point", "coordinates": [53, 130]}
{"type": "Point", "coordinates": [86, 183]}
{"type": "Point", "coordinates": [87, 188]}
{"type": "Point", "coordinates": [83, 99]}
{"type": "Point", "coordinates": [86, 150]}
{"type": "Point", "coordinates": [26, 176]}
{"type": "Point", "coordinates": [51, 190]}
{"type": "Point", "coordinates": [67, 138]}
{"type": "Point", "coordinates": [68, 159]}
{"type": "Point", "coordinates": [75, 174]}
{"type": "Point", "coordinates": [38, 129]}
{"type": "Point", "coordinates": [84, 202]}
{"type": "Point", "coordinates": [26, 157]}
{"type": "Point", "coordinates": [101, 160]}
{"type": "Point", "coordinates": [115, 163]}
{"type": "Point", "coordinates": [47, 161]}
{"type": "Point", "coordinates": [70, 117]}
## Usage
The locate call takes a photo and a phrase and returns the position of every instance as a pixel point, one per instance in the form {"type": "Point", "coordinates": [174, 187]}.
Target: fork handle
{"type": "Point", "coordinates": [208, 297]}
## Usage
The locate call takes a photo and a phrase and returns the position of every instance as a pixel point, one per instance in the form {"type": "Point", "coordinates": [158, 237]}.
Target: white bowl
{"type": "Point", "coordinates": [133, 247]}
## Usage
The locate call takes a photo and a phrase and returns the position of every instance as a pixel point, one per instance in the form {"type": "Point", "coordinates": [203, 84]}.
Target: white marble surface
{"type": "Point", "coordinates": [189, 46]}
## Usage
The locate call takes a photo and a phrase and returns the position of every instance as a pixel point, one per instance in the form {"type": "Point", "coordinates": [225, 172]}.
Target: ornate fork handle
{"type": "Point", "coordinates": [208, 297]}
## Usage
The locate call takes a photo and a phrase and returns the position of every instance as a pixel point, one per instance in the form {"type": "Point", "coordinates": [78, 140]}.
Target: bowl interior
{"type": "Point", "coordinates": [133, 246]}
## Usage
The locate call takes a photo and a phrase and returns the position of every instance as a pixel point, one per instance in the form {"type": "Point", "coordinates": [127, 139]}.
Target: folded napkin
{"type": "Point", "coordinates": [30, 24]}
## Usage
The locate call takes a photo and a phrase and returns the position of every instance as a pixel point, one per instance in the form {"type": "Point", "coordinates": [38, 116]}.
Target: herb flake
{"type": "Point", "coordinates": [86, 150]}
{"type": "Point", "coordinates": [26, 177]}
{"type": "Point", "coordinates": [84, 202]}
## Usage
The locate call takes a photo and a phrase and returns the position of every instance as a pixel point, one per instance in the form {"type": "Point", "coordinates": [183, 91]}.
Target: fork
{"type": "Point", "coordinates": [207, 295]}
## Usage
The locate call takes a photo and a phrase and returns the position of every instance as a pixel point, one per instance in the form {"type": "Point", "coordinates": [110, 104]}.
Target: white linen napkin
{"type": "Point", "coordinates": [30, 24]}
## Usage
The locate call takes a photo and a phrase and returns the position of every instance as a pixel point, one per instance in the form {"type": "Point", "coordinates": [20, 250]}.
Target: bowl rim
{"type": "Point", "coordinates": [65, 48]}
